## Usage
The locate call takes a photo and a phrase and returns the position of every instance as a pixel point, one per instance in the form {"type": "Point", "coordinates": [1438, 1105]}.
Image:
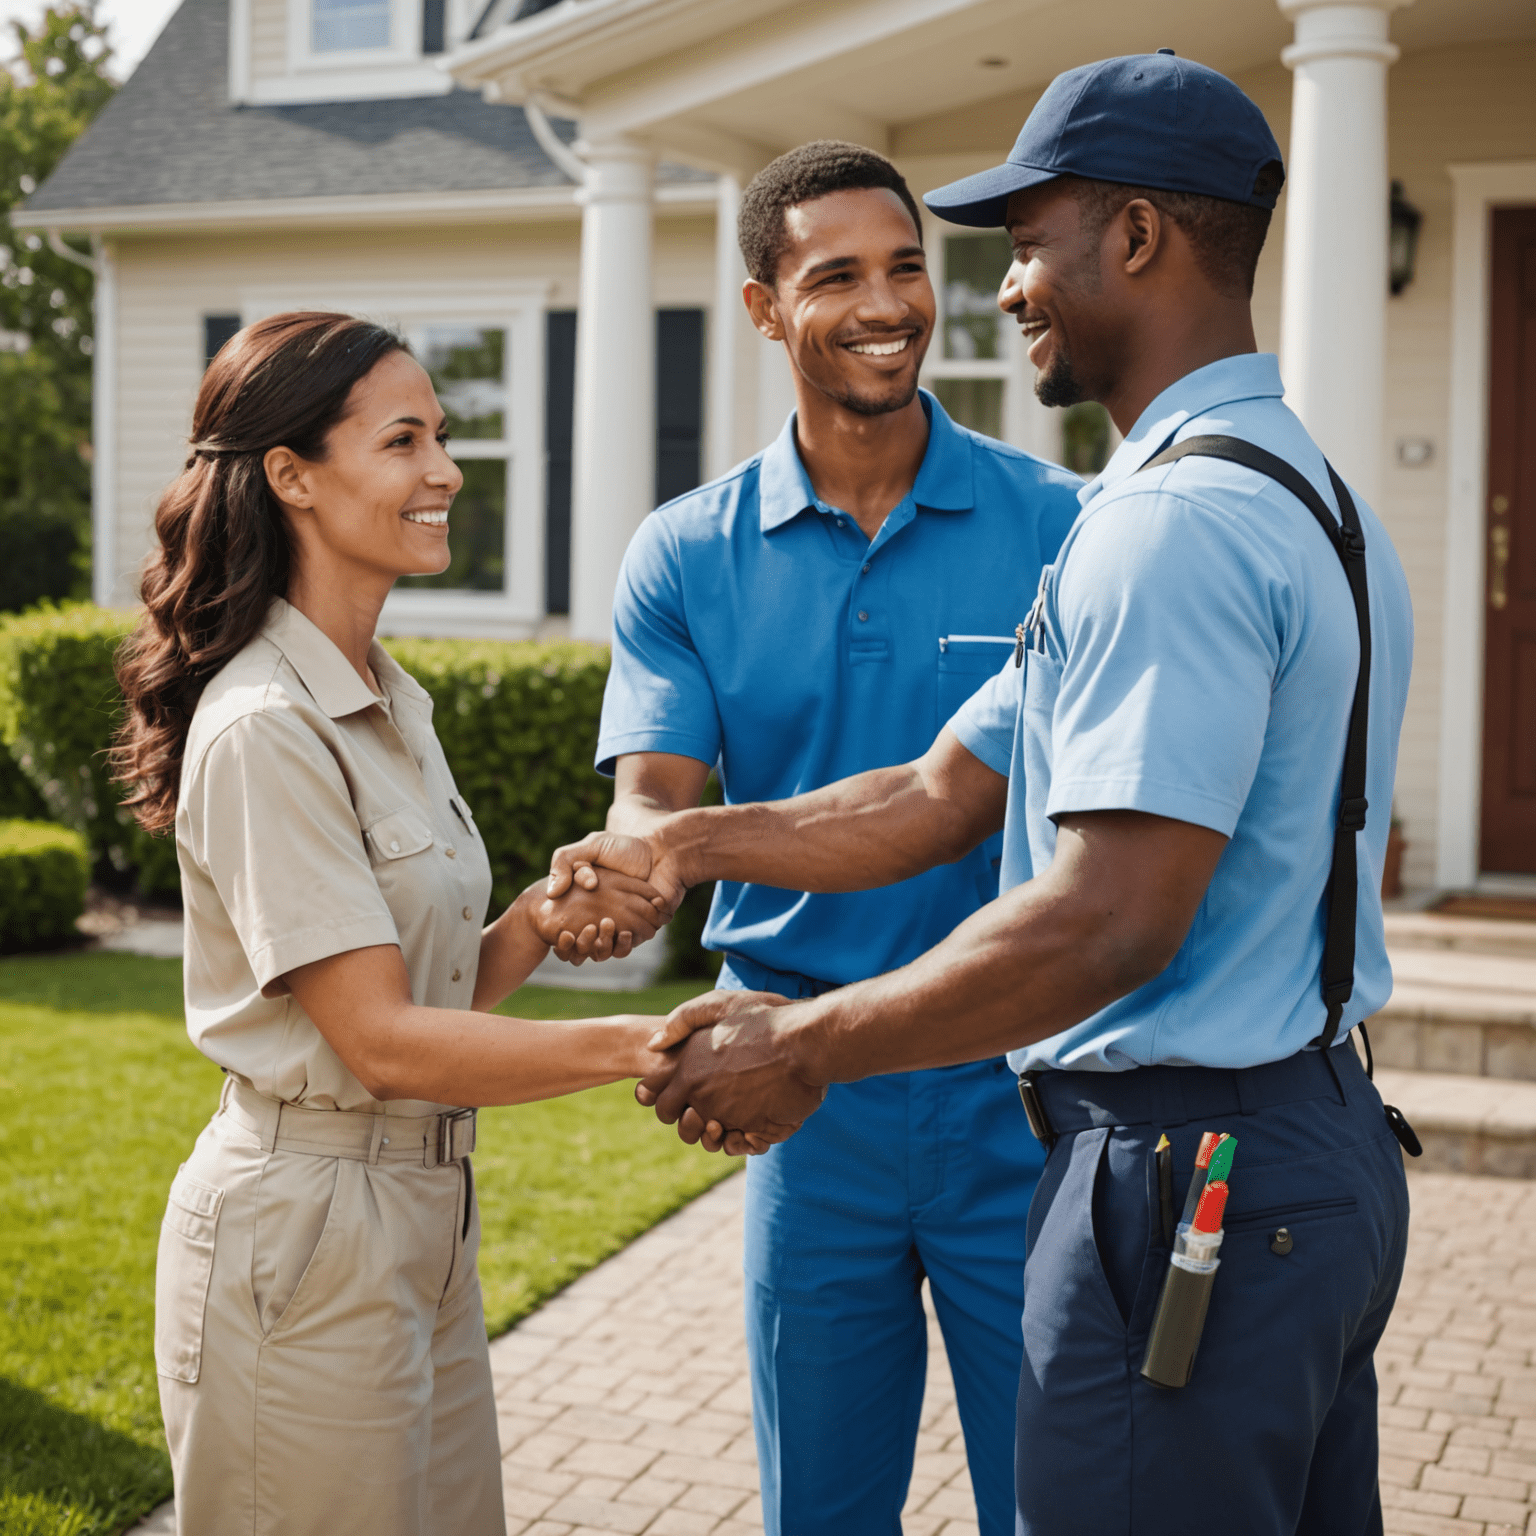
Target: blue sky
{"type": "Point", "coordinates": [134, 25]}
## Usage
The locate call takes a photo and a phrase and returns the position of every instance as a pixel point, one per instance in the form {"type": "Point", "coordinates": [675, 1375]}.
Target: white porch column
{"type": "Point", "coordinates": [1334, 298]}
{"type": "Point", "coordinates": [614, 474]}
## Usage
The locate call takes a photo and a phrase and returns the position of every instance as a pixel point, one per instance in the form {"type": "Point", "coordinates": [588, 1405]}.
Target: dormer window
{"type": "Point", "coordinates": [348, 26]}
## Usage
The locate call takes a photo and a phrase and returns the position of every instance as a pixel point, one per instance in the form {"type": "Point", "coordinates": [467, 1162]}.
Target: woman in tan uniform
{"type": "Point", "coordinates": [318, 1328]}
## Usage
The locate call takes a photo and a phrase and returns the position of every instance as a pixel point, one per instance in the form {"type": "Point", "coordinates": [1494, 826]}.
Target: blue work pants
{"type": "Point", "coordinates": [895, 1178]}
{"type": "Point", "coordinates": [1275, 1434]}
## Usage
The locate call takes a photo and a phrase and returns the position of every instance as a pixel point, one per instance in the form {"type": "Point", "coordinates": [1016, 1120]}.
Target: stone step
{"type": "Point", "coordinates": [1472, 935]}
{"type": "Point", "coordinates": [1471, 1012]}
{"type": "Point", "coordinates": [1477, 1125]}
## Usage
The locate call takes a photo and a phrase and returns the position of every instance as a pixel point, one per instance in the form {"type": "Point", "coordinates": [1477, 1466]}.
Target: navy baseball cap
{"type": "Point", "coordinates": [1147, 120]}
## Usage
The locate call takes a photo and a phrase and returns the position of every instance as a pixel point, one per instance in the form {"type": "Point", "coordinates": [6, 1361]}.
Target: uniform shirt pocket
{"type": "Point", "coordinates": [966, 662]}
{"type": "Point", "coordinates": [183, 1270]}
{"type": "Point", "coordinates": [397, 835]}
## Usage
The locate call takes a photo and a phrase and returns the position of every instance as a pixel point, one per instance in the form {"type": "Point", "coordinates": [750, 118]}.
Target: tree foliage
{"type": "Point", "coordinates": [49, 92]}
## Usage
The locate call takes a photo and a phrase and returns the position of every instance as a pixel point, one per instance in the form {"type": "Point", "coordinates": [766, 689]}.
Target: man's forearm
{"type": "Point", "coordinates": [870, 830]}
{"type": "Point", "coordinates": [1107, 917]}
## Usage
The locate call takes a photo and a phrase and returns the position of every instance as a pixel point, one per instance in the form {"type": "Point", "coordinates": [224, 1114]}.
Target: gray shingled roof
{"type": "Point", "coordinates": [171, 136]}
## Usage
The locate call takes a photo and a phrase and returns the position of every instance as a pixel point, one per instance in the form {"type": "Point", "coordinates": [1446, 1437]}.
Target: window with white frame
{"type": "Point", "coordinates": [468, 365]}
{"type": "Point", "coordinates": [971, 365]}
{"type": "Point", "coordinates": [343, 26]}
{"type": "Point", "coordinates": [485, 354]}
{"type": "Point", "coordinates": [979, 368]}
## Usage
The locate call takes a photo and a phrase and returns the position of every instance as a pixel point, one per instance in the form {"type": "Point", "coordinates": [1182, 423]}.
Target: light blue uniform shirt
{"type": "Point", "coordinates": [757, 627]}
{"type": "Point", "coordinates": [1196, 658]}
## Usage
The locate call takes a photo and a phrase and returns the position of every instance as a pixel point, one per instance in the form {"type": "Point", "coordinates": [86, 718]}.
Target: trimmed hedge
{"type": "Point", "coordinates": [518, 722]}
{"type": "Point", "coordinates": [43, 873]}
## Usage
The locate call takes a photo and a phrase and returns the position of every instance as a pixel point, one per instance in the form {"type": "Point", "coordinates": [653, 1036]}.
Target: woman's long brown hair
{"type": "Point", "coordinates": [224, 552]}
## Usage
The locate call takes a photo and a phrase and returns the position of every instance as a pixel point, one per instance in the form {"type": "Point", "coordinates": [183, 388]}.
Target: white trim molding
{"type": "Point", "coordinates": [239, 52]}
{"type": "Point", "coordinates": [494, 205]}
{"type": "Point", "coordinates": [1476, 191]}
{"type": "Point", "coordinates": [104, 572]}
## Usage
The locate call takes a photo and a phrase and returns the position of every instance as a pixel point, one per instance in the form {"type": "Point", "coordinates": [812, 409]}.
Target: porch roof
{"type": "Point", "coordinates": [730, 83]}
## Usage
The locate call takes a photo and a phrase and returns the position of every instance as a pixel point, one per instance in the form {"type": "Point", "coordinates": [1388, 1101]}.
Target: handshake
{"type": "Point", "coordinates": [732, 1070]}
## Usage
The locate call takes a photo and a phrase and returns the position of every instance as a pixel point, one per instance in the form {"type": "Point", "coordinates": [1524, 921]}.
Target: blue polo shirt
{"type": "Point", "coordinates": [1196, 657]}
{"type": "Point", "coordinates": [756, 627]}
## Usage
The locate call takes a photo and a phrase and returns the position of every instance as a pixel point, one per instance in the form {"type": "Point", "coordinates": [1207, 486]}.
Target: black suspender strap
{"type": "Point", "coordinates": [1349, 545]}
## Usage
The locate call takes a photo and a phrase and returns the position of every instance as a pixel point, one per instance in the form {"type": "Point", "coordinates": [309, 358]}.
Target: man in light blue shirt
{"type": "Point", "coordinates": [1164, 751]}
{"type": "Point", "coordinates": [821, 610]}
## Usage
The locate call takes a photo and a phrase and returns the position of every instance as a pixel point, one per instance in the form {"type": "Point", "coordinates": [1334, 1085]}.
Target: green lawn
{"type": "Point", "coordinates": [101, 1097]}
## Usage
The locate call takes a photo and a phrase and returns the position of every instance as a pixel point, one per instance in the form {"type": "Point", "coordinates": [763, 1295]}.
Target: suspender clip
{"type": "Point", "coordinates": [1352, 814]}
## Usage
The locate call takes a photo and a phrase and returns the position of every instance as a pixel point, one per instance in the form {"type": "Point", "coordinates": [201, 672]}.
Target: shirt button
{"type": "Point", "coordinates": [839, 522]}
{"type": "Point", "coordinates": [452, 853]}
{"type": "Point", "coordinates": [863, 617]}
{"type": "Point", "coordinates": [468, 914]}
{"type": "Point", "coordinates": [457, 974]}
{"type": "Point", "coordinates": [866, 570]}
{"type": "Point", "coordinates": [394, 847]}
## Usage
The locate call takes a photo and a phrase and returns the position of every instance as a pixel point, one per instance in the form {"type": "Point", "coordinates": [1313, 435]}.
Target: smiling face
{"type": "Point", "coordinates": [853, 302]}
{"type": "Point", "coordinates": [376, 506]}
{"type": "Point", "coordinates": [1055, 292]}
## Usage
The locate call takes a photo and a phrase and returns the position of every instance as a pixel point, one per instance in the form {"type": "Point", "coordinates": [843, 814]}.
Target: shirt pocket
{"type": "Point", "coordinates": [183, 1270]}
{"type": "Point", "coordinates": [396, 836]}
{"type": "Point", "coordinates": [966, 662]}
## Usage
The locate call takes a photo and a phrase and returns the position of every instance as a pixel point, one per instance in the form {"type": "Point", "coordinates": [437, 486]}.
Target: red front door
{"type": "Point", "coordinates": [1509, 597]}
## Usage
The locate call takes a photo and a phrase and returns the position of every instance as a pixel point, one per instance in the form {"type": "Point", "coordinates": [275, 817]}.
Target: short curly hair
{"type": "Point", "coordinates": [813, 170]}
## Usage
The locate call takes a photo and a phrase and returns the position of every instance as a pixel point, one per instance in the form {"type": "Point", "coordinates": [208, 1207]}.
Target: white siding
{"type": "Point", "coordinates": [269, 37]}
{"type": "Point", "coordinates": [167, 285]}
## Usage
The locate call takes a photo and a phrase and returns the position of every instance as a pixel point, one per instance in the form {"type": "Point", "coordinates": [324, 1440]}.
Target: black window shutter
{"type": "Point", "coordinates": [679, 428]}
{"type": "Point", "coordinates": [559, 417]}
{"type": "Point", "coordinates": [679, 401]}
{"type": "Point", "coordinates": [433, 25]}
{"type": "Point", "coordinates": [217, 329]}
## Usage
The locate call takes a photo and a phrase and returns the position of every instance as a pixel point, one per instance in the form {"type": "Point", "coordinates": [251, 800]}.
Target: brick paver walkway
{"type": "Point", "coordinates": [624, 1402]}
{"type": "Point", "coordinates": [624, 1405]}
{"type": "Point", "coordinates": [1458, 1364]}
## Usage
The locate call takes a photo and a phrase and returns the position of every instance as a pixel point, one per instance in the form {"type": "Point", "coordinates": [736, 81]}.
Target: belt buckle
{"type": "Point", "coordinates": [1034, 1109]}
{"type": "Point", "coordinates": [455, 1135]}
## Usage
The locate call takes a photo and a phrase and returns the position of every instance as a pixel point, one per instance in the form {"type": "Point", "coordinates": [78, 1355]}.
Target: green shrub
{"type": "Point", "coordinates": [518, 722]}
{"type": "Point", "coordinates": [42, 556]}
{"type": "Point", "coordinates": [58, 706]}
{"type": "Point", "coordinates": [43, 873]}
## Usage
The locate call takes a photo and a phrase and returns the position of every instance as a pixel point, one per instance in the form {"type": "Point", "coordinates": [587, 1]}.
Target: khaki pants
{"type": "Point", "coordinates": [319, 1335]}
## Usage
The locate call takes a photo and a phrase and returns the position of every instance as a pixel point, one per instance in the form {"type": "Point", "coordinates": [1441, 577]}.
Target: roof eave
{"type": "Point", "coordinates": [497, 205]}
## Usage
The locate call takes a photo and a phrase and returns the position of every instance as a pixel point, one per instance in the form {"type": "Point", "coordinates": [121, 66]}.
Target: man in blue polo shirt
{"type": "Point", "coordinates": [821, 610]}
{"type": "Point", "coordinates": [1190, 925]}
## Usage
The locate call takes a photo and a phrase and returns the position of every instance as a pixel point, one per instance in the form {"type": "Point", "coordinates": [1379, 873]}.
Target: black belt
{"type": "Point", "coordinates": [1063, 1103]}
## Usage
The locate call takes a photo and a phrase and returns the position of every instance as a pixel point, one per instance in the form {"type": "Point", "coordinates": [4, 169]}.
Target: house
{"type": "Point", "coordinates": [410, 158]}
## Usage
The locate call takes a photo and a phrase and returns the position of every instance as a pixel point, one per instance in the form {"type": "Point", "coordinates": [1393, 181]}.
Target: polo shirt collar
{"type": "Point", "coordinates": [326, 673]}
{"type": "Point", "coordinates": [945, 479]}
{"type": "Point", "coordinates": [1247, 376]}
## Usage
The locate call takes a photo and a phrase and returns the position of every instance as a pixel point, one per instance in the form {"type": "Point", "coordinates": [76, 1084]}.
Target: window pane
{"type": "Point", "coordinates": [974, 403]}
{"type": "Point", "coordinates": [343, 24]}
{"type": "Point", "coordinates": [974, 265]}
{"type": "Point", "coordinates": [477, 532]}
{"type": "Point", "coordinates": [1085, 438]}
{"type": "Point", "coordinates": [468, 368]}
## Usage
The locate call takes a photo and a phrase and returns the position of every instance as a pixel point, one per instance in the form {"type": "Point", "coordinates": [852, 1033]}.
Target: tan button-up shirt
{"type": "Point", "coordinates": [316, 818]}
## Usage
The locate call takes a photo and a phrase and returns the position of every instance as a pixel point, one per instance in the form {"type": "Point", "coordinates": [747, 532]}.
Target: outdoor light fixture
{"type": "Point", "coordinates": [1403, 243]}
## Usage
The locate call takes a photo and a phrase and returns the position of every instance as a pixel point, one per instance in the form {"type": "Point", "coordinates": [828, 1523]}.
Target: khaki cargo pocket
{"type": "Point", "coordinates": [182, 1272]}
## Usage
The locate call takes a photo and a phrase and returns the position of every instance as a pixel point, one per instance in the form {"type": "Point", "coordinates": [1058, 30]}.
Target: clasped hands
{"type": "Point", "coordinates": [735, 1079]}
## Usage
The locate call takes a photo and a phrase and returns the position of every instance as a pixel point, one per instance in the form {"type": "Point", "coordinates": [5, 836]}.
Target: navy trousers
{"type": "Point", "coordinates": [1275, 1434]}
{"type": "Point", "coordinates": [892, 1179]}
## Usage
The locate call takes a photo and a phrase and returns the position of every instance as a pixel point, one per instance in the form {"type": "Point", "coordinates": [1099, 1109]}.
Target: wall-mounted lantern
{"type": "Point", "coordinates": [1403, 242]}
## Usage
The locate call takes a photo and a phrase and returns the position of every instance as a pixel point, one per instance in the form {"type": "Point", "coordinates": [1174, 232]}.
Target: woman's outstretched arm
{"type": "Point", "coordinates": [361, 1002]}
